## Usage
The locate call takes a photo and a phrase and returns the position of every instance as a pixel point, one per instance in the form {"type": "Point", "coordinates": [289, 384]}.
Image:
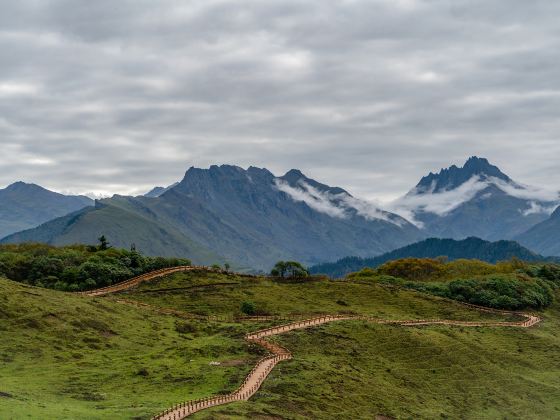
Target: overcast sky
{"type": "Point", "coordinates": [112, 96]}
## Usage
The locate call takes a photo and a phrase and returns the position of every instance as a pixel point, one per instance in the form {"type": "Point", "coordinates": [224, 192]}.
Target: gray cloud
{"type": "Point", "coordinates": [115, 97]}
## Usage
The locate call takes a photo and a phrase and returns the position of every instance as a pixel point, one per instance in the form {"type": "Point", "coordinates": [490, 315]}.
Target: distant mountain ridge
{"type": "Point", "coordinates": [453, 177]}
{"type": "Point", "coordinates": [157, 191]}
{"type": "Point", "coordinates": [545, 236]}
{"type": "Point", "coordinates": [251, 218]}
{"type": "Point", "coordinates": [246, 216]}
{"type": "Point", "coordinates": [470, 248]}
{"type": "Point", "coordinates": [24, 206]}
{"type": "Point", "coordinates": [477, 199]}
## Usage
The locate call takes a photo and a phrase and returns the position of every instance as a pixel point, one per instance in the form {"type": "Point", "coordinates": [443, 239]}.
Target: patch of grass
{"type": "Point", "coordinates": [359, 370]}
{"type": "Point", "coordinates": [63, 356]}
{"type": "Point", "coordinates": [356, 370]}
{"type": "Point", "coordinates": [307, 299]}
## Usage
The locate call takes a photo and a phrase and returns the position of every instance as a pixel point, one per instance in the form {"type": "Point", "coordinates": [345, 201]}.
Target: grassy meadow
{"type": "Point", "coordinates": [65, 356]}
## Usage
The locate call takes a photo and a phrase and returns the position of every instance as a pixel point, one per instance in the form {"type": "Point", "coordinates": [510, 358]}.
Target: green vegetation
{"type": "Point", "coordinates": [354, 370]}
{"type": "Point", "coordinates": [77, 267]}
{"type": "Point", "coordinates": [248, 308]}
{"type": "Point", "coordinates": [289, 269]}
{"type": "Point", "coordinates": [505, 285]}
{"type": "Point", "coordinates": [64, 356]}
{"type": "Point", "coordinates": [207, 293]}
{"type": "Point", "coordinates": [358, 370]}
{"type": "Point", "coordinates": [473, 249]}
{"type": "Point", "coordinates": [67, 356]}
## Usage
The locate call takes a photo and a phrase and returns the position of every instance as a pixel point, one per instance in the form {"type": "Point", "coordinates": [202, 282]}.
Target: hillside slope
{"type": "Point", "coordinates": [359, 370]}
{"type": "Point", "coordinates": [24, 206]}
{"type": "Point", "coordinates": [544, 237]}
{"type": "Point", "coordinates": [67, 357]}
{"type": "Point", "coordinates": [124, 226]}
{"type": "Point", "coordinates": [470, 248]}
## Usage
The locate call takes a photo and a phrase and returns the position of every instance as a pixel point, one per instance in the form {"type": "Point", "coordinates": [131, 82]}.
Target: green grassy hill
{"type": "Point", "coordinates": [124, 225]}
{"type": "Point", "coordinates": [357, 370]}
{"type": "Point", "coordinates": [470, 248]}
{"type": "Point", "coordinates": [65, 356]}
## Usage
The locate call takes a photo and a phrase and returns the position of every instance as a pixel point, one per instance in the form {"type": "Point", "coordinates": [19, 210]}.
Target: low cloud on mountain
{"type": "Point", "coordinates": [442, 203]}
{"type": "Point", "coordinates": [336, 205]}
{"type": "Point", "coordinates": [314, 198]}
{"type": "Point", "coordinates": [527, 192]}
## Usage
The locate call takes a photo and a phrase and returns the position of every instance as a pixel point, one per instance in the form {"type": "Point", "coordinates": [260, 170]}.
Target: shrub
{"type": "Point", "coordinates": [185, 327]}
{"type": "Point", "coordinates": [502, 292]}
{"type": "Point", "coordinates": [289, 269]}
{"type": "Point", "coordinates": [363, 273]}
{"type": "Point", "coordinates": [414, 269]}
{"type": "Point", "coordinates": [248, 308]}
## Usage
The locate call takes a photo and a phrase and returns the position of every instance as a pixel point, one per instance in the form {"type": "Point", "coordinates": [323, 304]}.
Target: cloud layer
{"type": "Point", "coordinates": [110, 97]}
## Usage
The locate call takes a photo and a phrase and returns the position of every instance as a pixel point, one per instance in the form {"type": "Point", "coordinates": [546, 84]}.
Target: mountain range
{"type": "Point", "coordinates": [470, 248]}
{"type": "Point", "coordinates": [249, 217]}
{"type": "Point", "coordinates": [252, 218]}
{"type": "Point", "coordinates": [477, 199]}
{"type": "Point", "coordinates": [24, 206]}
{"type": "Point", "coordinates": [545, 236]}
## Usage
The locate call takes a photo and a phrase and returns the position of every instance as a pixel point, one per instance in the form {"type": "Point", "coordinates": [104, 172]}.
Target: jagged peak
{"type": "Point", "coordinates": [454, 176]}
{"type": "Point", "coordinates": [295, 176]}
{"type": "Point", "coordinates": [19, 185]}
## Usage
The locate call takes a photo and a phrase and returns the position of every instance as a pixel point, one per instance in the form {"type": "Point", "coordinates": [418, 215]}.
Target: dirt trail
{"type": "Point", "coordinates": [262, 369]}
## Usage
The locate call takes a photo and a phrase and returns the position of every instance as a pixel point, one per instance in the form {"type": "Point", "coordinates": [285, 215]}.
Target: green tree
{"type": "Point", "coordinates": [103, 243]}
{"type": "Point", "coordinates": [289, 269]}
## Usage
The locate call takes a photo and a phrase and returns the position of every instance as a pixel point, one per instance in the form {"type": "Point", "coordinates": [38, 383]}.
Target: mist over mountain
{"type": "Point", "coordinates": [477, 199]}
{"type": "Point", "coordinates": [23, 206]}
{"type": "Point", "coordinates": [249, 217]}
{"type": "Point", "coordinates": [470, 248]}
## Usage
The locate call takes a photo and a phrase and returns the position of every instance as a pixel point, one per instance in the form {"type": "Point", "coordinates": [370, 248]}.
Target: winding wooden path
{"type": "Point", "coordinates": [153, 275]}
{"type": "Point", "coordinates": [264, 366]}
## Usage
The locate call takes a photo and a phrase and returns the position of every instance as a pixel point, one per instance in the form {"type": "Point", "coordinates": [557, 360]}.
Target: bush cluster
{"type": "Point", "coordinates": [508, 285]}
{"type": "Point", "coordinates": [289, 269]}
{"type": "Point", "coordinates": [77, 267]}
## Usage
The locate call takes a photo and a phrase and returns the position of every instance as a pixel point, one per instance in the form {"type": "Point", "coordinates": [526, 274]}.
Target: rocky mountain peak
{"type": "Point", "coordinates": [294, 177]}
{"type": "Point", "coordinates": [452, 177]}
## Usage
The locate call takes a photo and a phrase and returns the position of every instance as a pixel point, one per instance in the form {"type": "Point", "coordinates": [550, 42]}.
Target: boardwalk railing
{"type": "Point", "coordinates": [261, 370]}
{"type": "Point", "coordinates": [264, 366]}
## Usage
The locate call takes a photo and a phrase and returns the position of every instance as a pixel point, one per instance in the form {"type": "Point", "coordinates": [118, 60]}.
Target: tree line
{"type": "Point", "coordinates": [77, 267]}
